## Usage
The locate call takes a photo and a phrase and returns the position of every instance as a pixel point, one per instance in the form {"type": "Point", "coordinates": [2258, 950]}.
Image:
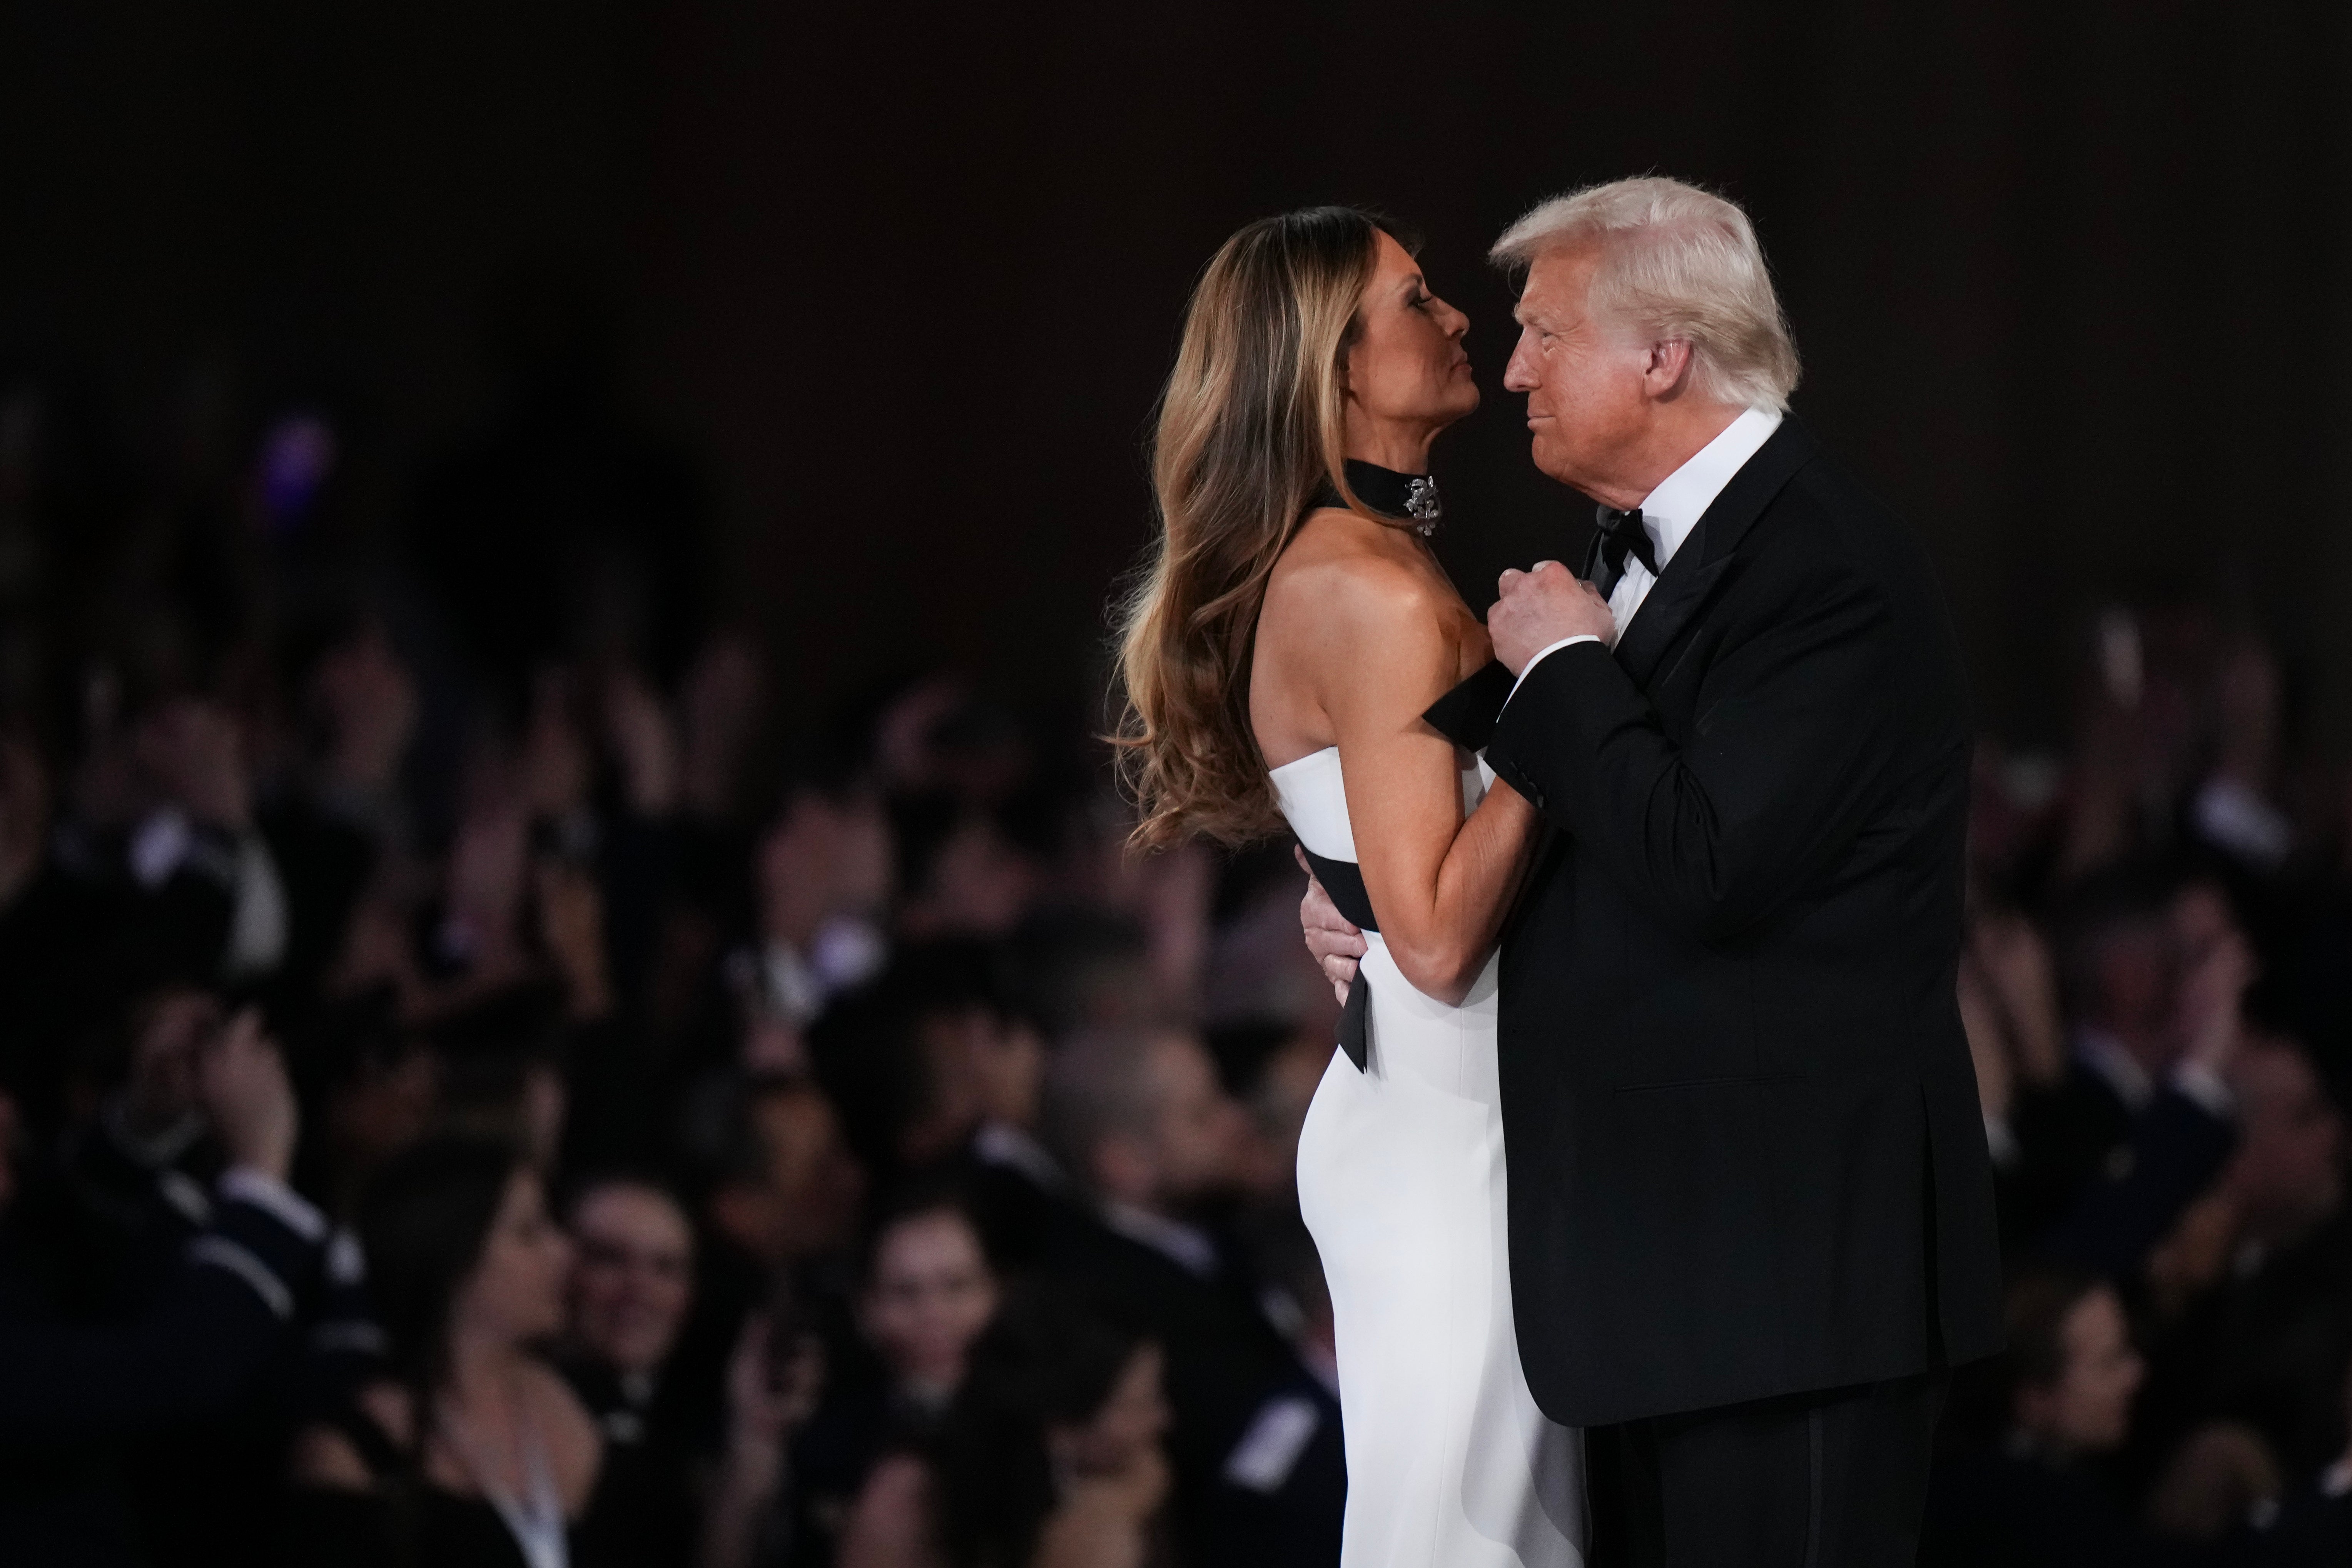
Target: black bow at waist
{"type": "Point", "coordinates": [1344, 881]}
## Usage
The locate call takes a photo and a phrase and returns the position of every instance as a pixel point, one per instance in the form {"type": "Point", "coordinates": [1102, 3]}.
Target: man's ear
{"type": "Point", "coordinates": [1666, 372]}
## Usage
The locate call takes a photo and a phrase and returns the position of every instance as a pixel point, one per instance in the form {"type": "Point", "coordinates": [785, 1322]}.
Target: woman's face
{"type": "Point", "coordinates": [1128, 1426]}
{"type": "Point", "coordinates": [515, 1293]}
{"type": "Point", "coordinates": [931, 1295]}
{"type": "Point", "coordinates": [2087, 1410]}
{"type": "Point", "coordinates": [1407, 367]}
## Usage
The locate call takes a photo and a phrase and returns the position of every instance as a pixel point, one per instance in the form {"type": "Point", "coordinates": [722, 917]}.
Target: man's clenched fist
{"type": "Point", "coordinates": [1540, 606]}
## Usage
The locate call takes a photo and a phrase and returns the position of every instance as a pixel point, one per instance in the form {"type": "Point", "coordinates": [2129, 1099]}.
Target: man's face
{"type": "Point", "coordinates": [805, 1203]}
{"type": "Point", "coordinates": [632, 1277]}
{"type": "Point", "coordinates": [2289, 1163]}
{"type": "Point", "coordinates": [1200, 1129]}
{"type": "Point", "coordinates": [1583, 379]}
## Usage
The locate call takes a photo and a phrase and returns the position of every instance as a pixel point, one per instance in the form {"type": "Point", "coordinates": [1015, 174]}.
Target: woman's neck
{"type": "Point", "coordinates": [482, 1371]}
{"type": "Point", "coordinates": [1400, 447]}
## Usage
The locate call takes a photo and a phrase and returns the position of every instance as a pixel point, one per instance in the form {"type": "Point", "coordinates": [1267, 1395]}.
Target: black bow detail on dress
{"type": "Point", "coordinates": [1344, 881]}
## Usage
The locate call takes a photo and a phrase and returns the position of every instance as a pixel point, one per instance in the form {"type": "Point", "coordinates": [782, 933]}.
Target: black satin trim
{"type": "Point", "coordinates": [1466, 714]}
{"type": "Point", "coordinates": [1344, 881]}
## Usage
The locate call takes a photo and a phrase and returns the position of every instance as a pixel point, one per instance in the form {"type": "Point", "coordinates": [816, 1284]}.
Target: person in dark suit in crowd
{"type": "Point", "coordinates": [1018, 1192]}
{"type": "Point", "coordinates": [927, 1289]}
{"type": "Point", "coordinates": [2143, 1119]}
{"type": "Point", "coordinates": [75, 1391]}
{"type": "Point", "coordinates": [1751, 1219]}
{"type": "Point", "coordinates": [632, 1283]}
{"type": "Point", "coordinates": [1282, 1494]}
{"type": "Point", "coordinates": [2311, 1529]}
{"type": "Point", "coordinates": [2270, 1343]}
{"type": "Point", "coordinates": [1049, 1457]}
{"type": "Point", "coordinates": [1139, 1117]}
{"type": "Point", "coordinates": [2026, 1490]}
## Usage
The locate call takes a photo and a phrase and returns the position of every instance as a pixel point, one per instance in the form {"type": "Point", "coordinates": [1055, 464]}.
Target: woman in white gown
{"type": "Point", "coordinates": [1278, 657]}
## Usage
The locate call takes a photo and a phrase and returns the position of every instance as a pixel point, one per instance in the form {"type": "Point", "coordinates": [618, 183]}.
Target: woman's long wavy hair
{"type": "Point", "coordinates": [1251, 428]}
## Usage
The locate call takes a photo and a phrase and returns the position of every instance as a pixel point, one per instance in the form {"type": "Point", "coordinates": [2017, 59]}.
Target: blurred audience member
{"type": "Point", "coordinates": [1141, 1122]}
{"type": "Point", "coordinates": [74, 1386]}
{"type": "Point", "coordinates": [2107, 1159]}
{"type": "Point", "coordinates": [474, 1451]}
{"type": "Point", "coordinates": [2268, 1343]}
{"type": "Point", "coordinates": [632, 1282]}
{"type": "Point", "coordinates": [2028, 1490]}
{"type": "Point", "coordinates": [1018, 1192]}
{"type": "Point", "coordinates": [1283, 1491]}
{"type": "Point", "coordinates": [925, 1290]}
{"type": "Point", "coordinates": [1049, 1458]}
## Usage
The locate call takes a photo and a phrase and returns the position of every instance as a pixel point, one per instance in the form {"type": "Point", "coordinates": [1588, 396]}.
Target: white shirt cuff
{"type": "Point", "coordinates": [275, 1198]}
{"type": "Point", "coordinates": [2001, 1143]}
{"type": "Point", "coordinates": [1540, 653]}
{"type": "Point", "coordinates": [2203, 1085]}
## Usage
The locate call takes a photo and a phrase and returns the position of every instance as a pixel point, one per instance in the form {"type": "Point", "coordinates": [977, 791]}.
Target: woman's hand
{"type": "Point", "coordinates": [765, 1404]}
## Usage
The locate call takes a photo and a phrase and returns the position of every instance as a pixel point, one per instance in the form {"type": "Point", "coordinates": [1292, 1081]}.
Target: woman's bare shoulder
{"type": "Point", "coordinates": [1344, 575]}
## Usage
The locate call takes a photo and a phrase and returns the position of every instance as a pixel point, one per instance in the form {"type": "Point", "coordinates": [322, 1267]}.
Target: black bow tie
{"type": "Point", "coordinates": [1621, 534]}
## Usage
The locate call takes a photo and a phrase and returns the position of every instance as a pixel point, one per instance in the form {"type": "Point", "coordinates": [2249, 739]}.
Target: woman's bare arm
{"type": "Point", "coordinates": [1381, 642]}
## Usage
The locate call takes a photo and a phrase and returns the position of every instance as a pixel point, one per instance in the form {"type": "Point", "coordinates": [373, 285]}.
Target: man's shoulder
{"type": "Point", "coordinates": [1826, 524]}
{"type": "Point", "coordinates": [1823, 501]}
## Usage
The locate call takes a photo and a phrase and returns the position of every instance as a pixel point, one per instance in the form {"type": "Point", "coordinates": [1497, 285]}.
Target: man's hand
{"type": "Point", "coordinates": [1335, 943]}
{"type": "Point", "coordinates": [1540, 606]}
{"type": "Point", "coordinates": [246, 1092]}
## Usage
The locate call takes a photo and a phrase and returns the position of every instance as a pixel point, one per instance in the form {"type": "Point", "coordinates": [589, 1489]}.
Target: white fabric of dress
{"type": "Point", "coordinates": [1401, 1178]}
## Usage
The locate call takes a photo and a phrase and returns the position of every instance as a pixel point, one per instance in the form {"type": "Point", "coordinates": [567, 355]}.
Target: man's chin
{"type": "Point", "coordinates": [1550, 461]}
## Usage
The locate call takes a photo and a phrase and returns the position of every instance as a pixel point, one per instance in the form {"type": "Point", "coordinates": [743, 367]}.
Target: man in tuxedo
{"type": "Point", "coordinates": [1752, 1214]}
{"type": "Point", "coordinates": [1139, 1119]}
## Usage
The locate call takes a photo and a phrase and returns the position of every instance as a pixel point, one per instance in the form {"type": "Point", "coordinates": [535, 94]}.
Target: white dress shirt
{"type": "Point", "coordinates": [1671, 511]}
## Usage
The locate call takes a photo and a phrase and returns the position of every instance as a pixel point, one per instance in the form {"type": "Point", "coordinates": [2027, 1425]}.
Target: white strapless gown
{"type": "Point", "coordinates": [1450, 1464]}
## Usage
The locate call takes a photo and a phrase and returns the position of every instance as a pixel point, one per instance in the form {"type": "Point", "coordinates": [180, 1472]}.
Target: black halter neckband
{"type": "Point", "coordinates": [1410, 498]}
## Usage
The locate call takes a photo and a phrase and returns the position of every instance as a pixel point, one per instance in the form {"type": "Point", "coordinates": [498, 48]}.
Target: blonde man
{"type": "Point", "coordinates": [1751, 1210]}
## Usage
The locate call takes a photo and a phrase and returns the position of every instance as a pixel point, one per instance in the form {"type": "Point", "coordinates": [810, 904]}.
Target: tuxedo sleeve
{"type": "Point", "coordinates": [1795, 721]}
{"type": "Point", "coordinates": [2177, 1147]}
{"type": "Point", "coordinates": [220, 1317]}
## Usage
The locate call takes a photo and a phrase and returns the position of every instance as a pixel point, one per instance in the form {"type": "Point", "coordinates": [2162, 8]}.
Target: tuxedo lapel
{"type": "Point", "coordinates": [1700, 564]}
{"type": "Point", "coordinates": [1669, 608]}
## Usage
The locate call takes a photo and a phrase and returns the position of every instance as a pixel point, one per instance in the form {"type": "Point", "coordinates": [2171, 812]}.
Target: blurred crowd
{"type": "Point", "coordinates": [487, 1078]}
{"type": "Point", "coordinates": [2157, 983]}
{"type": "Point", "coordinates": [478, 1087]}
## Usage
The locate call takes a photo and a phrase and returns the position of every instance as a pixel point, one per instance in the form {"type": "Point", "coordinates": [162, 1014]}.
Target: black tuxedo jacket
{"type": "Point", "coordinates": [1746, 1156]}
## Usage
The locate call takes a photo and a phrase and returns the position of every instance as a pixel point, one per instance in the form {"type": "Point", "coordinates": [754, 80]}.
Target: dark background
{"type": "Point", "coordinates": [2069, 280]}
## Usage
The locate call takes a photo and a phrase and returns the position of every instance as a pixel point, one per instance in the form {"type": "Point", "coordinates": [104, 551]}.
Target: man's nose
{"type": "Point", "coordinates": [1519, 375]}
